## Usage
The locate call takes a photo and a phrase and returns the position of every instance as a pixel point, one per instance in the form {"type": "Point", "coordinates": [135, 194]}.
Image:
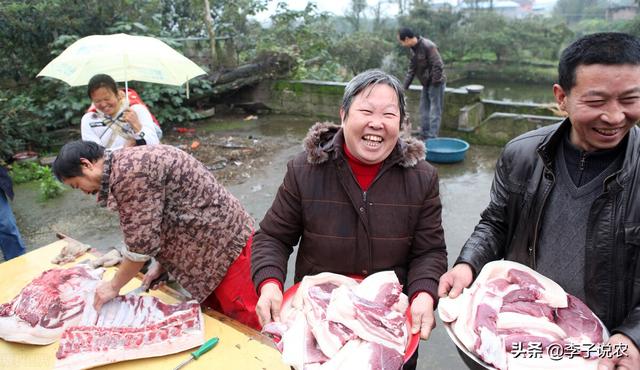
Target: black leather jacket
{"type": "Point", "coordinates": [510, 225]}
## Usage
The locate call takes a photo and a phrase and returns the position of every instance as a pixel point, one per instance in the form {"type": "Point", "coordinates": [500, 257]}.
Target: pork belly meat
{"type": "Point", "coordinates": [333, 322]}
{"type": "Point", "coordinates": [511, 304]}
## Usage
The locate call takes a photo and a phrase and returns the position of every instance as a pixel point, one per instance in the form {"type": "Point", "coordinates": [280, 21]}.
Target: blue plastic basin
{"type": "Point", "coordinates": [446, 150]}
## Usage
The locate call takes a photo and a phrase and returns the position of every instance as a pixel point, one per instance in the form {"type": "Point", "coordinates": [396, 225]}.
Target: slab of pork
{"type": "Point", "coordinates": [334, 322]}
{"type": "Point", "coordinates": [47, 305]}
{"type": "Point", "coordinates": [509, 303]}
{"type": "Point", "coordinates": [130, 327]}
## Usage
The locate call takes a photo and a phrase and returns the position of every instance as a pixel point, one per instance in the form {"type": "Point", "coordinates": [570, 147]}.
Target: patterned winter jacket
{"type": "Point", "coordinates": [394, 225]}
{"type": "Point", "coordinates": [172, 208]}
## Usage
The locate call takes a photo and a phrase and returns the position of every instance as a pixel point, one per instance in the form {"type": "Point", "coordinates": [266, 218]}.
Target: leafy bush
{"type": "Point", "coordinates": [169, 103]}
{"type": "Point", "coordinates": [50, 187]}
{"type": "Point", "coordinates": [361, 51]}
{"type": "Point", "coordinates": [23, 172]}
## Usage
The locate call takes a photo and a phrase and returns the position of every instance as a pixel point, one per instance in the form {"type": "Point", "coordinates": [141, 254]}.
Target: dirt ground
{"type": "Point", "coordinates": [233, 159]}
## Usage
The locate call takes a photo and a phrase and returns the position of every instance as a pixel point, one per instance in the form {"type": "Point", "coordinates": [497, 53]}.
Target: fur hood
{"type": "Point", "coordinates": [320, 142]}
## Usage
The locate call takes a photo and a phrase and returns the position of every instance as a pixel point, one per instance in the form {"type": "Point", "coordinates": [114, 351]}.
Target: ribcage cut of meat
{"type": "Point", "coordinates": [511, 304]}
{"type": "Point", "coordinates": [47, 305]}
{"type": "Point", "coordinates": [130, 327]}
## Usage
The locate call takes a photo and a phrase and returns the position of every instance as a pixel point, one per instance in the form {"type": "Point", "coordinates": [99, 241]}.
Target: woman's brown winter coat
{"type": "Point", "coordinates": [394, 225]}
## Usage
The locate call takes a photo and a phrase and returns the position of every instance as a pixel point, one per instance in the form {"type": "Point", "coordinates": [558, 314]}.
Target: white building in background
{"type": "Point", "coordinates": [617, 12]}
{"type": "Point", "coordinates": [510, 8]}
{"type": "Point", "coordinates": [507, 8]}
{"type": "Point", "coordinates": [543, 7]}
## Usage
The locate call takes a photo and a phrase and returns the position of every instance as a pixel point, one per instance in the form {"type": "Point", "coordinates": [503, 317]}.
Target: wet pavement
{"type": "Point", "coordinates": [464, 189]}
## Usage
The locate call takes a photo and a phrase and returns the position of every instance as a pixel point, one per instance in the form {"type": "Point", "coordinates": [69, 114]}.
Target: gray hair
{"type": "Point", "coordinates": [368, 78]}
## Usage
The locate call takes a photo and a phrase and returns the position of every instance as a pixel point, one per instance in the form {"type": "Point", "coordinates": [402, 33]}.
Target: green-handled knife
{"type": "Point", "coordinates": [201, 351]}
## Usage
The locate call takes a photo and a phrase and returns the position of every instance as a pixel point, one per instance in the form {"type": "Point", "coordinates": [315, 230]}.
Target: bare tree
{"type": "Point", "coordinates": [208, 20]}
{"type": "Point", "coordinates": [356, 12]}
{"type": "Point", "coordinates": [377, 15]}
{"type": "Point", "coordinates": [402, 6]}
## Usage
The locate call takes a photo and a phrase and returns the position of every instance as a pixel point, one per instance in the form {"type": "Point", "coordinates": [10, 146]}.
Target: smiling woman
{"type": "Point", "coordinates": [360, 200]}
{"type": "Point", "coordinates": [372, 123]}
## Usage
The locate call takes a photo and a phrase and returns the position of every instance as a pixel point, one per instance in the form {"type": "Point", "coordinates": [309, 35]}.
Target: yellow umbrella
{"type": "Point", "coordinates": [123, 57]}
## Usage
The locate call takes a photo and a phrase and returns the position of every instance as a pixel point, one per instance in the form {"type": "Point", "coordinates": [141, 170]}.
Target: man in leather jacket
{"type": "Point", "coordinates": [565, 199]}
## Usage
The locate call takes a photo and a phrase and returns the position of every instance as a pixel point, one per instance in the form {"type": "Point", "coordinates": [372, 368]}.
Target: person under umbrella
{"type": "Point", "coordinates": [115, 122]}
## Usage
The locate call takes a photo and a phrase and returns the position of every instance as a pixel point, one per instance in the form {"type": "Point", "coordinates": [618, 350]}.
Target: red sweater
{"type": "Point", "coordinates": [364, 173]}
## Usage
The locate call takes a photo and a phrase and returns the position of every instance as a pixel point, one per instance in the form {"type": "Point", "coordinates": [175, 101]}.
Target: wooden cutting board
{"type": "Point", "coordinates": [239, 348]}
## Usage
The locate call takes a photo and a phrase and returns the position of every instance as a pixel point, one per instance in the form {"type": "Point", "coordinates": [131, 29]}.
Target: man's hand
{"type": "Point", "coordinates": [104, 293]}
{"type": "Point", "coordinates": [629, 362]}
{"type": "Point", "coordinates": [422, 319]}
{"type": "Point", "coordinates": [154, 272]}
{"type": "Point", "coordinates": [269, 303]}
{"type": "Point", "coordinates": [455, 280]}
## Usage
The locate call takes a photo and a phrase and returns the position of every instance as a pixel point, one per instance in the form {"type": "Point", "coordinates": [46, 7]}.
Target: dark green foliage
{"type": "Point", "coordinates": [361, 51]}
{"type": "Point", "coordinates": [22, 172]}
{"type": "Point", "coordinates": [306, 34]}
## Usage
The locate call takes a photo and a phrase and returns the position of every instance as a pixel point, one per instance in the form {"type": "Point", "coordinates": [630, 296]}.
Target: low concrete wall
{"type": "Point", "coordinates": [499, 128]}
{"type": "Point", "coordinates": [480, 120]}
{"type": "Point", "coordinates": [322, 99]}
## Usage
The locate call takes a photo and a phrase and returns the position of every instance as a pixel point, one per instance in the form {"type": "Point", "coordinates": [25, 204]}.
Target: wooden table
{"type": "Point", "coordinates": [239, 348]}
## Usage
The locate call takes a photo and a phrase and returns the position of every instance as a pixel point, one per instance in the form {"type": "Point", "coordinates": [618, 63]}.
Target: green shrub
{"type": "Point", "coordinates": [50, 187]}
{"type": "Point", "coordinates": [23, 172]}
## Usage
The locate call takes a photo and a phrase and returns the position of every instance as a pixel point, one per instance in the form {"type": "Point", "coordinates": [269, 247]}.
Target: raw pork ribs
{"type": "Point", "coordinates": [511, 306]}
{"type": "Point", "coordinates": [50, 303]}
{"type": "Point", "coordinates": [59, 305]}
{"type": "Point", "coordinates": [130, 327]}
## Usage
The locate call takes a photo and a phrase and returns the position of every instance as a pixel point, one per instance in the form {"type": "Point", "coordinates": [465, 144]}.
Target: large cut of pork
{"type": "Point", "coordinates": [511, 306]}
{"type": "Point", "coordinates": [130, 327]}
{"type": "Point", "coordinates": [47, 305]}
{"type": "Point", "coordinates": [334, 322]}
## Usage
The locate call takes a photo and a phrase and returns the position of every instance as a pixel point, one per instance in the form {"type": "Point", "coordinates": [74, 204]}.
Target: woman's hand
{"type": "Point", "coordinates": [154, 272]}
{"type": "Point", "coordinates": [269, 303]}
{"type": "Point", "coordinates": [104, 293]}
{"type": "Point", "coordinates": [422, 319]}
{"type": "Point", "coordinates": [132, 118]}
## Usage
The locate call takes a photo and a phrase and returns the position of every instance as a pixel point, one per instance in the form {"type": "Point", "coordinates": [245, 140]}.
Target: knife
{"type": "Point", "coordinates": [199, 352]}
{"type": "Point", "coordinates": [141, 289]}
{"type": "Point", "coordinates": [137, 291]}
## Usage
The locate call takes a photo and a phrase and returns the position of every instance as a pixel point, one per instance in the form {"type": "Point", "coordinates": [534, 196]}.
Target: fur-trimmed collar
{"type": "Point", "coordinates": [320, 142]}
